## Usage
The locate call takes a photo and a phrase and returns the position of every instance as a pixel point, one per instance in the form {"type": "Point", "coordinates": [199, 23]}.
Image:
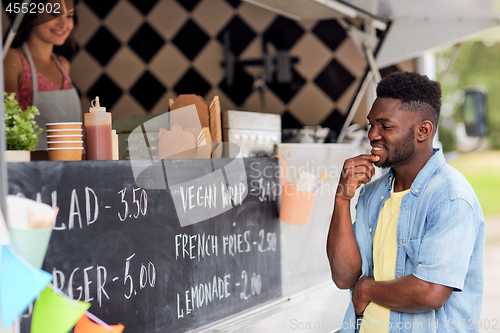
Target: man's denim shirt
{"type": "Point", "coordinates": [440, 237]}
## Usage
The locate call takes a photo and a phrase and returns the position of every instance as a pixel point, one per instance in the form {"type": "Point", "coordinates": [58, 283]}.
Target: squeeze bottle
{"type": "Point", "coordinates": [98, 139]}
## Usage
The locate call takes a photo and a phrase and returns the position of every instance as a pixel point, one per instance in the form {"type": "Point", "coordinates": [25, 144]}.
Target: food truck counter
{"type": "Point", "coordinates": [190, 244]}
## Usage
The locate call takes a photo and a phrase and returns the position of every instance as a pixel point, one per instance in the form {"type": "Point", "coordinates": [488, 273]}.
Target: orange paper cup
{"type": "Point", "coordinates": [65, 131]}
{"type": "Point", "coordinates": [52, 138]}
{"type": "Point", "coordinates": [65, 154]}
{"type": "Point", "coordinates": [68, 125]}
{"type": "Point", "coordinates": [65, 144]}
{"type": "Point", "coordinates": [296, 206]}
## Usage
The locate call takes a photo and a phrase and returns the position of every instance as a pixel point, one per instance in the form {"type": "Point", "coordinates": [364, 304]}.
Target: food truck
{"type": "Point", "coordinates": [205, 244]}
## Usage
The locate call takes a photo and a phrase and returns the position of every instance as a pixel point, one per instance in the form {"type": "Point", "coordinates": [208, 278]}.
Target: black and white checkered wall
{"type": "Point", "coordinates": [136, 54]}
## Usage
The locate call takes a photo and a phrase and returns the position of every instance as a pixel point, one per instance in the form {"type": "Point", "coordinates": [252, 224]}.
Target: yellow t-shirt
{"type": "Point", "coordinates": [385, 247]}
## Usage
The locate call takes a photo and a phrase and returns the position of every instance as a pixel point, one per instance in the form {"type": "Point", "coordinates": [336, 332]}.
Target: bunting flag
{"type": "Point", "coordinates": [20, 284]}
{"type": "Point", "coordinates": [56, 313]}
{"type": "Point", "coordinates": [85, 325]}
{"type": "Point", "coordinates": [31, 243]}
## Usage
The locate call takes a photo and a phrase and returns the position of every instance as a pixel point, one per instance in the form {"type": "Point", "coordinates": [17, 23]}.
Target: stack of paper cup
{"type": "Point", "coordinates": [65, 141]}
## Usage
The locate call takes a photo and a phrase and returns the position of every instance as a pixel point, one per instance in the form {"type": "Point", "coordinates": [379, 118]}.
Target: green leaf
{"type": "Point", "coordinates": [21, 131]}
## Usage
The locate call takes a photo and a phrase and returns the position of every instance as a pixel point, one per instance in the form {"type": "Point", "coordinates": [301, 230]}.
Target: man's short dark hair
{"type": "Point", "coordinates": [417, 93]}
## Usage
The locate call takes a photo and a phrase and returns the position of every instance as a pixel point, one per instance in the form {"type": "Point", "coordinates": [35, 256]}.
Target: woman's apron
{"type": "Point", "coordinates": [54, 106]}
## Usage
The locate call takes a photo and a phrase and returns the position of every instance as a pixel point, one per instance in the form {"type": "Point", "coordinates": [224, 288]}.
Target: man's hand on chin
{"type": "Point", "coordinates": [360, 303]}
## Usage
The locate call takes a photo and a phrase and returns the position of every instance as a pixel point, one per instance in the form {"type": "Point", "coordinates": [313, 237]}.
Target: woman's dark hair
{"type": "Point", "coordinates": [416, 91]}
{"type": "Point", "coordinates": [67, 50]}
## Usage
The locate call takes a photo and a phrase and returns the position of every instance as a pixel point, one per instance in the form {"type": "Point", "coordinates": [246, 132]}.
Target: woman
{"type": "Point", "coordinates": [36, 74]}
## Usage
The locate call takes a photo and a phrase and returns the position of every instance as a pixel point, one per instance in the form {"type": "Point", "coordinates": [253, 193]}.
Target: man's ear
{"type": "Point", "coordinates": [425, 130]}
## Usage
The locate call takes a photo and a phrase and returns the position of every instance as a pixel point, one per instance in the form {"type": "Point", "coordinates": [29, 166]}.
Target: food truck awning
{"type": "Point", "coordinates": [424, 24]}
{"type": "Point", "coordinates": [416, 25]}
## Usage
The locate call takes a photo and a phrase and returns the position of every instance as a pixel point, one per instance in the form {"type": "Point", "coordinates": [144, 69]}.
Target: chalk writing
{"type": "Point", "coordinates": [236, 243]}
{"type": "Point", "coordinates": [84, 292]}
{"type": "Point", "coordinates": [171, 259]}
{"type": "Point", "coordinates": [141, 203]}
{"type": "Point", "coordinates": [78, 220]}
{"type": "Point", "coordinates": [202, 294]}
{"type": "Point", "coordinates": [195, 246]}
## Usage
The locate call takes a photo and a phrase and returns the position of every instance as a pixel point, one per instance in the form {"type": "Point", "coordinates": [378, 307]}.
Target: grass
{"type": "Point", "coordinates": [481, 170]}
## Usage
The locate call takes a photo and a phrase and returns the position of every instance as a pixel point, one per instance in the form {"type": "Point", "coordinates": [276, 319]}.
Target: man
{"type": "Point", "coordinates": [414, 258]}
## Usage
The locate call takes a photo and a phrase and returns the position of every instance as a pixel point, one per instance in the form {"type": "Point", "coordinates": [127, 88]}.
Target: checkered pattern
{"type": "Point", "coordinates": [136, 54]}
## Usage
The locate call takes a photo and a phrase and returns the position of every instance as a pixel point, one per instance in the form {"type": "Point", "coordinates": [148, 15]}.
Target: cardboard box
{"type": "Point", "coordinates": [201, 107]}
{"type": "Point", "coordinates": [209, 113]}
{"type": "Point", "coordinates": [185, 137]}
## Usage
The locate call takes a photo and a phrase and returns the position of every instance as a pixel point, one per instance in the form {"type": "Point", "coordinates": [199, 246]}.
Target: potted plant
{"type": "Point", "coordinates": [21, 130]}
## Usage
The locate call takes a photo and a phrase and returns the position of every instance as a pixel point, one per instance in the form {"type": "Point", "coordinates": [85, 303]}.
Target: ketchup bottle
{"type": "Point", "coordinates": [98, 139]}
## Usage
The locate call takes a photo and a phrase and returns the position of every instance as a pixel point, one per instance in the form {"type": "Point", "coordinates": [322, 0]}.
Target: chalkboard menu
{"type": "Point", "coordinates": [122, 247]}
